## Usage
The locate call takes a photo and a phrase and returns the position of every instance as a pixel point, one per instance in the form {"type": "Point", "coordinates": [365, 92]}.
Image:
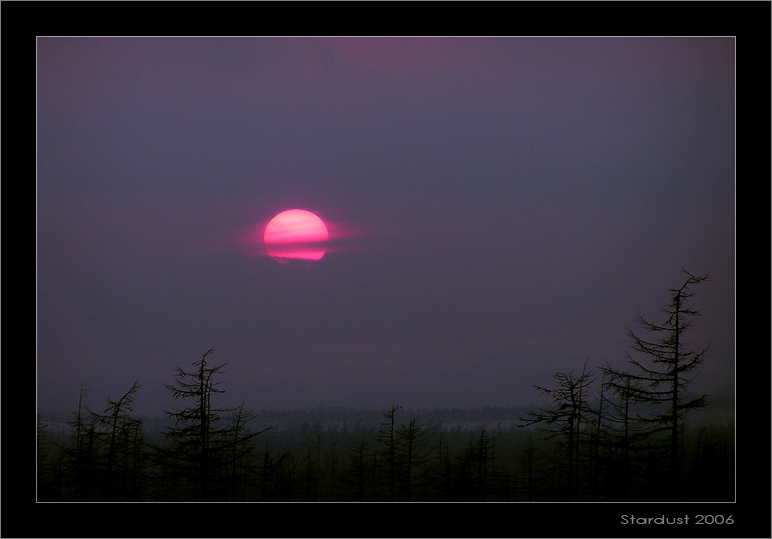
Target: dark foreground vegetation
{"type": "Point", "coordinates": [605, 435]}
{"type": "Point", "coordinates": [415, 461]}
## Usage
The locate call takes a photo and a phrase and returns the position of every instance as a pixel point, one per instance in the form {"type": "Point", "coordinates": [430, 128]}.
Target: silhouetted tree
{"type": "Point", "coordinates": [565, 418]}
{"type": "Point", "coordinates": [412, 455]}
{"type": "Point", "coordinates": [121, 439]}
{"type": "Point", "coordinates": [472, 470]}
{"type": "Point", "coordinates": [387, 437]}
{"type": "Point", "coordinates": [660, 380]}
{"type": "Point", "coordinates": [198, 440]}
{"type": "Point", "coordinates": [441, 465]}
{"type": "Point", "coordinates": [359, 473]}
{"type": "Point", "coordinates": [45, 470]}
{"type": "Point", "coordinates": [275, 474]}
{"type": "Point", "coordinates": [530, 469]}
{"type": "Point", "coordinates": [238, 440]}
{"type": "Point", "coordinates": [596, 431]}
{"type": "Point", "coordinates": [80, 455]}
{"type": "Point", "coordinates": [311, 471]}
{"type": "Point", "coordinates": [621, 434]}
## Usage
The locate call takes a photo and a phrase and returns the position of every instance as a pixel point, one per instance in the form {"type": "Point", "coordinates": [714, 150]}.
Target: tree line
{"type": "Point", "coordinates": [607, 434]}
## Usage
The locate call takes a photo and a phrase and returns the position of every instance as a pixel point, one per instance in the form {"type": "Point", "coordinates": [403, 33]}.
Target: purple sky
{"type": "Point", "coordinates": [500, 208]}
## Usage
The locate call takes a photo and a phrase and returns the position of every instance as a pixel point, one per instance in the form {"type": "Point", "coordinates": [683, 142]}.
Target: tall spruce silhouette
{"type": "Point", "coordinates": [660, 378]}
{"type": "Point", "coordinates": [199, 443]}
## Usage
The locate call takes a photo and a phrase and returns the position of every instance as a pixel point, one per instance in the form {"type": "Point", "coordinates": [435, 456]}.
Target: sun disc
{"type": "Point", "coordinates": [295, 236]}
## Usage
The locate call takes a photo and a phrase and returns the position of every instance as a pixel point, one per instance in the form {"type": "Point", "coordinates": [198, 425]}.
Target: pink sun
{"type": "Point", "coordinates": [296, 236]}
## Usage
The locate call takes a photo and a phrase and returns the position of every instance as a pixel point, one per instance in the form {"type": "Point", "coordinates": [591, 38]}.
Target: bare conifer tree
{"type": "Point", "coordinates": [413, 456]}
{"type": "Point", "coordinates": [241, 446]}
{"type": "Point", "coordinates": [565, 418]}
{"type": "Point", "coordinates": [661, 378]}
{"type": "Point", "coordinates": [80, 455]}
{"type": "Point", "coordinates": [119, 432]}
{"type": "Point", "coordinates": [198, 442]}
{"type": "Point", "coordinates": [387, 437]}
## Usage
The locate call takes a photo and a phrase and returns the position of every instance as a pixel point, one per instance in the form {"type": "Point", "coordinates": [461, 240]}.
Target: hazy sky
{"type": "Point", "coordinates": [499, 209]}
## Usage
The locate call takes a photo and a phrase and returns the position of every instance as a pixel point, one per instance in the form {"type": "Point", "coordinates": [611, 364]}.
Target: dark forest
{"type": "Point", "coordinates": [604, 434]}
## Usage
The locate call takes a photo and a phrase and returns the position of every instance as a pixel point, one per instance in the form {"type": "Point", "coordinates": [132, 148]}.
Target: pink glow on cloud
{"type": "Point", "coordinates": [77, 72]}
{"type": "Point", "coordinates": [401, 56]}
